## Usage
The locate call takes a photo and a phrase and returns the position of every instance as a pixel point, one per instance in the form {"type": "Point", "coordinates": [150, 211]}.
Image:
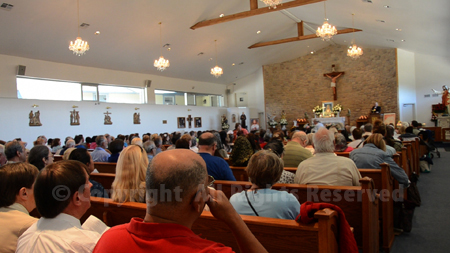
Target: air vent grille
{"type": "Point", "coordinates": [6, 6]}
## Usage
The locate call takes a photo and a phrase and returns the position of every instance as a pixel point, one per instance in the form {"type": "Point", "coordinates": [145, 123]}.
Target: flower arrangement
{"type": "Point", "coordinates": [273, 123]}
{"type": "Point", "coordinates": [283, 122]}
{"type": "Point", "coordinates": [439, 108]}
{"type": "Point", "coordinates": [337, 108]}
{"type": "Point", "coordinates": [317, 110]}
{"type": "Point", "coordinates": [225, 126]}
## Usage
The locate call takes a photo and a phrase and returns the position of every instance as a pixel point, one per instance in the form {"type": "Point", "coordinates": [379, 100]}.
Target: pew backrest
{"type": "Point", "coordinates": [276, 235]}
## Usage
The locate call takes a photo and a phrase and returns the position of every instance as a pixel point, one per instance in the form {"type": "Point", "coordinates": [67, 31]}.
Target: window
{"type": "Point", "coordinates": [166, 97]}
{"type": "Point", "coordinates": [33, 88]}
{"type": "Point", "coordinates": [29, 88]}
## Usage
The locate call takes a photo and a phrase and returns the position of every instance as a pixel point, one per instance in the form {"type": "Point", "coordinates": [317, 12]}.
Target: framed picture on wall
{"type": "Point", "coordinates": [181, 122]}
{"type": "Point", "coordinates": [254, 124]}
{"type": "Point", "coordinates": [327, 108]}
{"type": "Point", "coordinates": [389, 118]}
{"type": "Point", "coordinates": [197, 122]}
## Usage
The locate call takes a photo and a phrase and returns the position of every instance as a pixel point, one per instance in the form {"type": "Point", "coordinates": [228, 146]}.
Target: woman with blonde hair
{"type": "Point", "coordinates": [129, 184]}
{"type": "Point", "coordinates": [372, 154]}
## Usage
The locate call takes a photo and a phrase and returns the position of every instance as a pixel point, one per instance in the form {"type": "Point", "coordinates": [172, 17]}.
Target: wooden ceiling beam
{"type": "Point", "coordinates": [254, 10]}
{"type": "Point", "coordinates": [304, 37]}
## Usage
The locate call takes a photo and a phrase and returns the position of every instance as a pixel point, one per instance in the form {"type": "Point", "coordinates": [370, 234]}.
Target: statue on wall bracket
{"type": "Point", "coordinates": [34, 118]}
{"type": "Point", "coordinates": [74, 118]}
{"type": "Point", "coordinates": [107, 118]}
{"type": "Point", "coordinates": [136, 118]}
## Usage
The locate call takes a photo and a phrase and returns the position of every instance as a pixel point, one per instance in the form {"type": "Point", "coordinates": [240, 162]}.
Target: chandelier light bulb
{"type": "Point", "coordinates": [79, 47]}
{"type": "Point", "coordinates": [272, 3]}
{"type": "Point", "coordinates": [161, 64]}
{"type": "Point", "coordinates": [216, 71]}
{"type": "Point", "coordinates": [326, 32]}
{"type": "Point", "coordinates": [354, 51]}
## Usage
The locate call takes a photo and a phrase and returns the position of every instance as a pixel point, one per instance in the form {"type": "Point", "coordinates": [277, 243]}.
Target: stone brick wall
{"type": "Point", "coordinates": [298, 85]}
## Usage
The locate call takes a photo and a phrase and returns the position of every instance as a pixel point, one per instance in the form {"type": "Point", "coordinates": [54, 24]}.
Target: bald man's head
{"type": "Point", "coordinates": [173, 175]}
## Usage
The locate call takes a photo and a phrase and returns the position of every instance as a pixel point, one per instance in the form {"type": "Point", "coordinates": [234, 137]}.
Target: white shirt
{"type": "Point", "coordinates": [60, 234]}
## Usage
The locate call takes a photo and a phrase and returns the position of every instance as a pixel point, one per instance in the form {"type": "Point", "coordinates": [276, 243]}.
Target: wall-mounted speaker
{"type": "Point", "coordinates": [21, 70]}
{"type": "Point", "coordinates": [148, 83]}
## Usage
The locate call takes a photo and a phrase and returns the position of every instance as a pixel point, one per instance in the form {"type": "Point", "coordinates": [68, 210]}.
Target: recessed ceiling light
{"type": "Point", "coordinates": [258, 32]}
{"type": "Point", "coordinates": [403, 40]}
{"type": "Point", "coordinates": [387, 6]}
{"type": "Point", "coordinates": [221, 15]}
{"type": "Point", "coordinates": [381, 21]}
{"type": "Point", "coordinates": [233, 64]}
{"type": "Point", "coordinates": [168, 49]}
{"type": "Point", "coordinates": [97, 33]}
{"type": "Point", "coordinates": [307, 46]}
{"type": "Point", "coordinates": [210, 59]}
{"type": "Point", "coordinates": [398, 29]}
{"type": "Point", "coordinates": [312, 52]}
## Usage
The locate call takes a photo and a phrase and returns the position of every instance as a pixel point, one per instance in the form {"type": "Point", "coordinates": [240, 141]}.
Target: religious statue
{"type": "Point", "coordinates": [34, 118]}
{"type": "Point", "coordinates": [136, 118]}
{"type": "Point", "coordinates": [243, 120]}
{"type": "Point", "coordinates": [334, 76]}
{"type": "Point", "coordinates": [445, 96]}
{"type": "Point", "coordinates": [233, 118]}
{"type": "Point", "coordinates": [107, 120]}
{"type": "Point", "coordinates": [74, 117]}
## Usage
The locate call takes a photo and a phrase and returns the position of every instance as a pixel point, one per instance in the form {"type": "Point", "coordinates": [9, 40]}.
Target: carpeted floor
{"type": "Point", "coordinates": [431, 222]}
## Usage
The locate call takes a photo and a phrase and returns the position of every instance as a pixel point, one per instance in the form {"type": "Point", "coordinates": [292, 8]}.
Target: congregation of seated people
{"type": "Point", "coordinates": [29, 177]}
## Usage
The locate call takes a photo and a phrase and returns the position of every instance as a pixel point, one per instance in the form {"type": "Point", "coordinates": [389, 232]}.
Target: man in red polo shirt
{"type": "Point", "coordinates": [177, 193]}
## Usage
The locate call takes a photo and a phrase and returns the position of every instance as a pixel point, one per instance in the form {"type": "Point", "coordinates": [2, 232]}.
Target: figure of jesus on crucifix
{"type": "Point", "coordinates": [334, 76]}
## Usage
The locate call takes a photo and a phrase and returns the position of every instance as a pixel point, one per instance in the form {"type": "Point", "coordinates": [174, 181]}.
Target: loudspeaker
{"type": "Point", "coordinates": [148, 83]}
{"type": "Point", "coordinates": [21, 70]}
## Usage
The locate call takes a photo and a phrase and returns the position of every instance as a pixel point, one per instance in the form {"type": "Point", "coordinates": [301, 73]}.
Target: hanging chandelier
{"type": "Point", "coordinates": [354, 51]}
{"type": "Point", "coordinates": [272, 3]}
{"type": "Point", "coordinates": [327, 31]}
{"type": "Point", "coordinates": [216, 71]}
{"type": "Point", "coordinates": [161, 64]}
{"type": "Point", "coordinates": [79, 46]}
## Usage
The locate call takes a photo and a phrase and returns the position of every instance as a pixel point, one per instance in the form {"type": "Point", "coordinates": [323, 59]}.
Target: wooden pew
{"type": "Point", "coordinates": [361, 210]}
{"type": "Point", "coordinates": [276, 235]}
{"type": "Point", "coordinates": [344, 154]}
{"type": "Point", "coordinates": [105, 167]}
{"type": "Point", "coordinates": [57, 158]}
{"type": "Point", "coordinates": [105, 179]}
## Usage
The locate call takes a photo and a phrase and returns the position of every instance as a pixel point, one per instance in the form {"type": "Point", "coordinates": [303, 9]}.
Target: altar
{"type": "Point", "coordinates": [338, 121]}
{"type": "Point", "coordinates": [443, 121]}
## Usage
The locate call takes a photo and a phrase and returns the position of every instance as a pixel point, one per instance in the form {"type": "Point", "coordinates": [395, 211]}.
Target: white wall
{"type": "Point", "coordinates": [431, 73]}
{"type": "Point", "coordinates": [406, 80]}
{"type": "Point", "coordinates": [253, 86]}
{"type": "Point", "coordinates": [52, 70]}
{"type": "Point", "coordinates": [55, 118]}
{"type": "Point", "coordinates": [55, 114]}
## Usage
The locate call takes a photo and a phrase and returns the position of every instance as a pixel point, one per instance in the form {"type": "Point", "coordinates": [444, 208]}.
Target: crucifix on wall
{"type": "Point", "coordinates": [334, 76]}
{"type": "Point", "coordinates": [189, 119]}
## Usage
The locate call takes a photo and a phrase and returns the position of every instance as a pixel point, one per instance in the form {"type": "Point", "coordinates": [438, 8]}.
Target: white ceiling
{"type": "Point", "coordinates": [129, 39]}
